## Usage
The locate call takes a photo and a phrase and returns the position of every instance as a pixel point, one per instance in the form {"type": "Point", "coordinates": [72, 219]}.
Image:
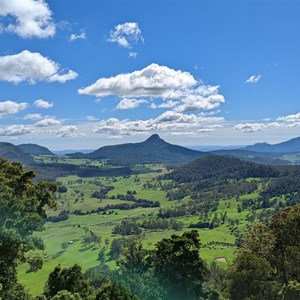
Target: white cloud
{"type": "Point", "coordinates": [68, 131]}
{"type": "Point", "coordinates": [34, 117]}
{"type": "Point", "coordinates": [130, 103]}
{"type": "Point", "coordinates": [43, 104]}
{"type": "Point", "coordinates": [11, 107]}
{"type": "Point", "coordinates": [160, 82]}
{"type": "Point", "coordinates": [167, 104]}
{"type": "Point", "coordinates": [31, 67]}
{"type": "Point", "coordinates": [153, 81]}
{"type": "Point", "coordinates": [290, 121]}
{"type": "Point", "coordinates": [293, 125]}
{"type": "Point", "coordinates": [253, 79]}
{"type": "Point", "coordinates": [133, 54]}
{"type": "Point", "coordinates": [168, 122]}
{"type": "Point", "coordinates": [15, 130]}
{"type": "Point", "coordinates": [27, 18]}
{"type": "Point", "coordinates": [47, 122]}
{"type": "Point", "coordinates": [290, 118]}
{"type": "Point", "coordinates": [254, 127]}
{"type": "Point", "coordinates": [91, 118]}
{"type": "Point", "coordinates": [125, 35]}
{"type": "Point", "coordinates": [73, 37]}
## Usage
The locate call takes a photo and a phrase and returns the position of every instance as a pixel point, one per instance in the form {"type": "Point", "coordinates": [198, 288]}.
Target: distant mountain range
{"type": "Point", "coordinates": [290, 146]}
{"type": "Point", "coordinates": [156, 150]}
{"type": "Point", "coordinates": [153, 150]}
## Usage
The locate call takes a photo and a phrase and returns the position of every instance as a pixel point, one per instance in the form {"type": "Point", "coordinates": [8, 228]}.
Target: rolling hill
{"type": "Point", "coordinates": [14, 153]}
{"type": "Point", "coordinates": [214, 168]}
{"type": "Point", "coordinates": [153, 150]}
{"type": "Point", "coordinates": [35, 149]}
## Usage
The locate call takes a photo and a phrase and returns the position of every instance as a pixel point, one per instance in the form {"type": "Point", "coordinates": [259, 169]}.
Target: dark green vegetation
{"type": "Point", "coordinates": [140, 231]}
{"type": "Point", "coordinates": [14, 153]}
{"type": "Point", "coordinates": [35, 149]}
{"type": "Point", "coordinates": [22, 208]}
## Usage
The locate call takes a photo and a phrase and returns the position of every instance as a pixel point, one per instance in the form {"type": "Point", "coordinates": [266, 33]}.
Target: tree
{"type": "Point", "coordinates": [35, 263]}
{"type": "Point", "coordinates": [65, 295]}
{"type": "Point", "coordinates": [115, 291]}
{"type": "Point", "coordinates": [69, 279]}
{"type": "Point", "coordinates": [286, 227]}
{"type": "Point", "coordinates": [250, 277]}
{"type": "Point", "coordinates": [179, 267]}
{"type": "Point", "coordinates": [22, 205]}
{"type": "Point", "coordinates": [291, 291]}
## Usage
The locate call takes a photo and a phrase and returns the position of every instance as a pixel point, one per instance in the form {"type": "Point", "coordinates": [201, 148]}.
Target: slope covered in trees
{"type": "Point", "coordinates": [35, 149]}
{"type": "Point", "coordinates": [220, 168]}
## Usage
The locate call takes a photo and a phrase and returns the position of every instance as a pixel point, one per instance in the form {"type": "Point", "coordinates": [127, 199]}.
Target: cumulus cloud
{"type": "Point", "coordinates": [167, 104]}
{"type": "Point", "coordinates": [32, 67]}
{"type": "Point", "coordinates": [290, 118]}
{"type": "Point", "coordinates": [68, 131]}
{"type": "Point", "coordinates": [161, 82]}
{"type": "Point", "coordinates": [31, 18]}
{"type": "Point", "coordinates": [253, 79]}
{"type": "Point", "coordinates": [73, 37]}
{"type": "Point", "coordinates": [153, 81]}
{"type": "Point", "coordinates": [47, 122]}
{"type": "Point", "coordinates": [34, 117]}
{"type": "Point", "coordinates": [11, 107]}
{"type": "Point", "coordinates": [130, 103]}
{"type": "Point", "coordinates": [253, 127]}
{"type": "Point", "coordinates": [16, 130]}
{"type": "Point", "coordinates": [126, 35]}
{"type": "Point", "coordinates": [290, 121]}
{"type": "Point", "coordinates": [42, 104]}
{"type": "Point", "coordinates": [168, 122]}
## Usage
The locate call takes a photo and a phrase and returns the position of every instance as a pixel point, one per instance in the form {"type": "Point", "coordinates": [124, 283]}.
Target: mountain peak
{"type": "Point", "coordinates": [154, 138]}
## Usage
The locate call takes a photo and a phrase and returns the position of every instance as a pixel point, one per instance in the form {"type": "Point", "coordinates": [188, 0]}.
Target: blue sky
{"type": "Point", "coordinates": [82, 74]}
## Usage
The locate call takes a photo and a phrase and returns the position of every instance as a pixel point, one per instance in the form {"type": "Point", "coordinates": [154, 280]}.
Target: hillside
{"type": "Point", "coordinates": [14, 153]}
{"type": "Point", "coordinates": [256, 157]}
{"type": "Point", "coordinates": [153, 150]}
{"type": "Point", "coordinates": [290, 146]}
{"type": "Point", "coordinates": [220, 168]}
{"type": "Point", "coordinates": [35, 149]}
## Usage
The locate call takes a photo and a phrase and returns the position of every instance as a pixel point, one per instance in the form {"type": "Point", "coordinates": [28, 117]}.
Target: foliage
{"type": "Point", "coordinates": [69, 279]}
{"type": "Point", "coordinates": [178, 266]}
{"type": "Point", "coordinates": [127, 227]}
{"type": "Point", "coordinates": [269, 258]}
{"type": "Point", "coordinates": [22, 204]}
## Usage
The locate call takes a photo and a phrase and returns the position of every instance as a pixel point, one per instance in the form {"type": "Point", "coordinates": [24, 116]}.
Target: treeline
{"type": "Point", "coordinates": [51, 171]}
{"type": "Point", "coordinates": [122, 206]}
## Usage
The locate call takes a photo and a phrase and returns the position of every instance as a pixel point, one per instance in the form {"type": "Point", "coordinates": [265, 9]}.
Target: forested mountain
{"type": "Point", "coordinates": [290, 146]}
{"type": "Point", "coordinates": [220, 168]}
{"type": "Point", "coordinates": [35, 149]}
{"type": "Point", "coordinates": [153, 150]}
{"type": "Point", "coordinates": [14, 153]}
